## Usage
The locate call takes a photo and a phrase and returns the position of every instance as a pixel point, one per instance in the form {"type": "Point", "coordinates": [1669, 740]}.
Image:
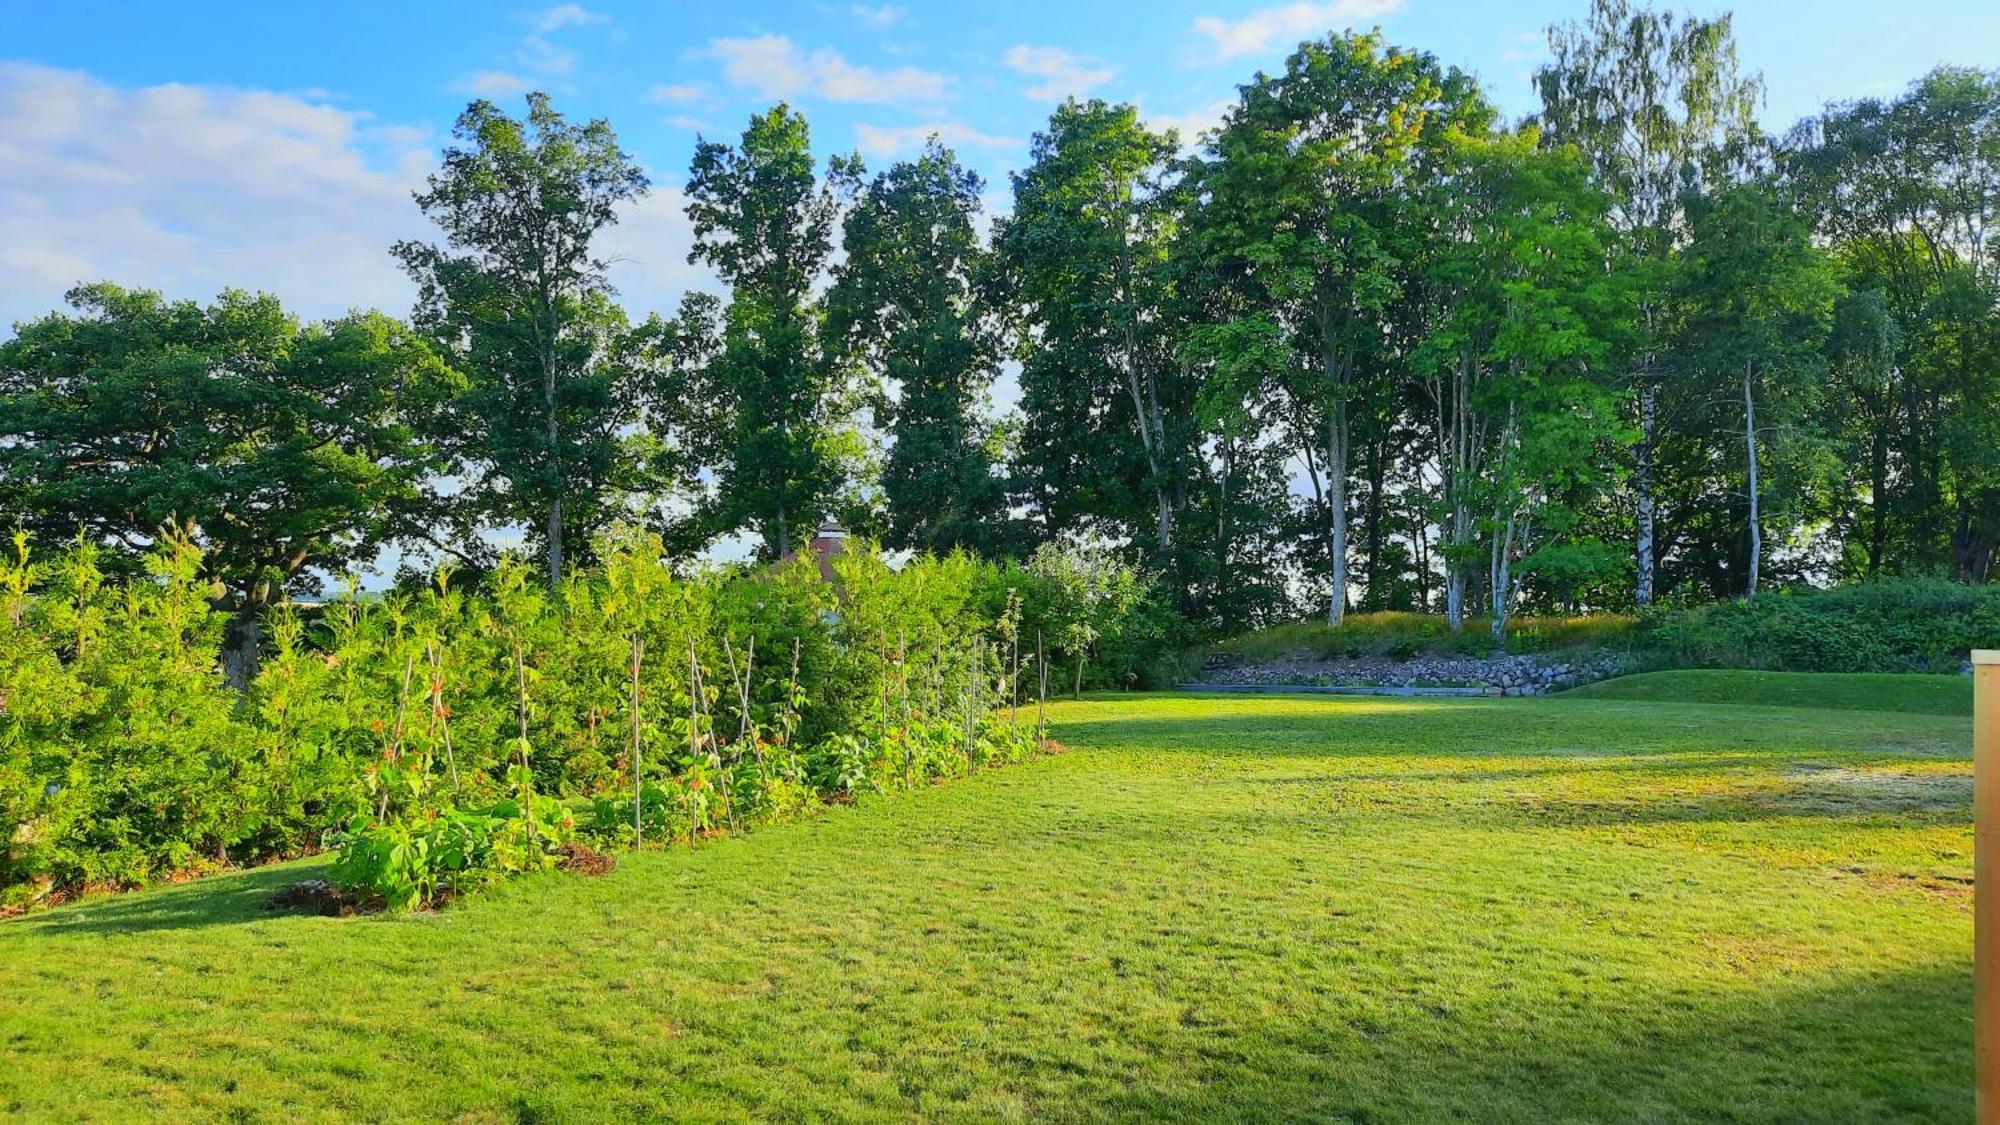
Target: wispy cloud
{"type": "Point", "coordinates": [565, 15]}
{"type": "Point", "coordinates": [776, 67]}
{"type": "Point", "coordinates": [885, 15]}
{"type": "Point", "coordinates": [683, 93]}
{"type": "Point", "coordinates": [1062, 72]}
{"type": "Point", "coordinates": [1280, 27]}
{"type": "Point", "coordinates": [544, 57]}
{"type": "Point", "coordinates": [1193, 123]}
{"type": "Point", "coordinates": [493, 84]}
{"type": "Point", "coordinates": [538, 61]}
{"type": "Point", "coordinates": [889, 141]}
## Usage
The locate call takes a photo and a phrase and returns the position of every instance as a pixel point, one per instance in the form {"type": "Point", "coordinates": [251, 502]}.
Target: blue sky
{"type": "Point", "coordinates": [274, 146]}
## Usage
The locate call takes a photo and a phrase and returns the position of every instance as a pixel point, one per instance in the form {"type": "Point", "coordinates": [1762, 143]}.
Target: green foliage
{"type": "Point", "coordinates": [1885, 626]}
{"type": "Point", "coordinates": [902, 310]}
{"type": "Point", "coordinates": [767, 408]}
{"type": "Point", "coordinates": [518, 300]}
{"type": "Point", "coordinates": [443, 737]}
{"type": "Point", "coordinates": [282, 447]}
{"type": "Point", "coordinates": [123, 756]}
{"type": "Point", "coordinates": [1094, 615]}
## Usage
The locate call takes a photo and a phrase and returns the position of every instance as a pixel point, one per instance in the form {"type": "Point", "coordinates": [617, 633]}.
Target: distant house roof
{"type": "Point", "coordinates": [828, 543]}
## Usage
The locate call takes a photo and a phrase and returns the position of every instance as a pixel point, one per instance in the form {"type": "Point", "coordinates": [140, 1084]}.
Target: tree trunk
{"type": "Point", "coordinates": [1878, 489]}
{"type": "Point", "coordinates": [1377, 595]}
{"type": "Point", "coordinates": [1750, 449]}
{"type": "Point", "coordinates": [555, 525]}
{"type": "Point", "coordinates": [243, 646]}
{"type": "Point", "coordinates": [555, 536]}
{"type": "Point", "coordinates": [1642, 487]}
{"type": "Point", "coordinates": [1336, 497]}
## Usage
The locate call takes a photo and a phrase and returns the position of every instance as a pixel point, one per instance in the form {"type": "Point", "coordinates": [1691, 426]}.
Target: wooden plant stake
{"type": "Point", "coordinates": [694, 725]}
{"type": "Point", "coordinates": [1986, 884]}
{"type": "Point", "coordinates": [1042, 696]}
{"type": "Point", "coordinates": [438, 713]}
{"type": "Point", "coordinates": [638, 779]}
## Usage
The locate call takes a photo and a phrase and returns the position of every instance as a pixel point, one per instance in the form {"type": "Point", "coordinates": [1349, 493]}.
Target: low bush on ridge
{"type": "Point", "coordinates": [441, 738]}
{"type": "Point", "coordinates": [1399, 635]}
{"type": "Point", "coordinates": [1900, 625]}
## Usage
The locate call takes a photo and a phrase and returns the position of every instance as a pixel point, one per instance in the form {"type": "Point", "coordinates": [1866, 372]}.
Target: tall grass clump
{"type": "Point", "coordinates": [1402, 635]}
{"type": "Point", "coordinates": [441, 737]}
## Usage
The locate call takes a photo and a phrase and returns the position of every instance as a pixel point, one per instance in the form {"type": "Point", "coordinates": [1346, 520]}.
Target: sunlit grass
{"type": "Point", "coordinates": [1263, 907]}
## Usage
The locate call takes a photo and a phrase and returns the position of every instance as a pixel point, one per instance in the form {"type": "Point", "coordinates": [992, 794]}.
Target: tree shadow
{"type": "Point", "coordinates": [219, 900]}
{"type": "Point", "coordinates": [1889, 1046]}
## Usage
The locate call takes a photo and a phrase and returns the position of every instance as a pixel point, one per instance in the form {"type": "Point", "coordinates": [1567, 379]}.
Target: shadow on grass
{"type": "Point", "coordinates": [219, 900]}
{"type": "Point", "coordinates": [1892, 1046]}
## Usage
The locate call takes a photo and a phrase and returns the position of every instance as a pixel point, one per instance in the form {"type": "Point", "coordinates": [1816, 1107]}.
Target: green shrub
{"type": "Point", "coordinates": [443, 736]}
{"type": "Point", "coordinates": [1402, 636]}
{"type": "Point", "coordinates": [1887, 626]}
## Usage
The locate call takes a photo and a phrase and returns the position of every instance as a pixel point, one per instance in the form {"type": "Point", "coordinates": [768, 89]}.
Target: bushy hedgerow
{"type": "Point", "coordinates": [444, 737]}
{"type": "Point", "coordinates": [1888, 626]}
{"type": "Point", "coordinates": [1101, 622]}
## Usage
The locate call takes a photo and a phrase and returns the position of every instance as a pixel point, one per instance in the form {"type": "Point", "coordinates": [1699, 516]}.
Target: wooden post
{"type": "Point", "coordinates": [1986, 884]}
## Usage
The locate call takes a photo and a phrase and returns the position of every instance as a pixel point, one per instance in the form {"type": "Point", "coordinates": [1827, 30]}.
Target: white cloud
{"type": "Point", "coordinates": [775, 67]}
{"type": "Point", "coordinates": [684, 92]}
{"type": "Point", "coordinates": [691, 124]}
{"type": "Point", "coordinates": [890, 141]}
{"type": "Point", "coordinates": [648, 251]}
{"type": "Point", "coordinates": [883, 16]}
{"type": "Point", "coordinates": [493, 84]}
{"type": "Point", "coordinates": [1284, 26]}
{"type": "Point", "coordinates": [1193, 123]}
{"type": "Point", "coordinates": [542, 56]}
{"type": "Point", "coordinates": [549, 62]}
{"type": "Point", "coordinates": [193, 189]}
{"type": "Point", "coordinates": [566, 15]}
{"type": "Point", "coordinates": [190, 189]}
{"type": "Point", "coordinates": [1062, 72]}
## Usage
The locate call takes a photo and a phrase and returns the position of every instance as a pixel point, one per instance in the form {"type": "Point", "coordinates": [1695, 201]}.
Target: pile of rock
{"type": "Point", "coordinates": [1489, 675]}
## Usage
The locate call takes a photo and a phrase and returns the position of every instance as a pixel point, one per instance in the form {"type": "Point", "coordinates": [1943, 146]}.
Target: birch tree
{"type": "Point", "coordinates": [1655, 102]}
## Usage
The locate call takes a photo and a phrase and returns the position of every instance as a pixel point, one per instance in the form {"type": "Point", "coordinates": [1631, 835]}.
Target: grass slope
{"type": "Point", "coordinates": [1841, 691]}
{"type": "Point", "coordinates": [1264, 908]}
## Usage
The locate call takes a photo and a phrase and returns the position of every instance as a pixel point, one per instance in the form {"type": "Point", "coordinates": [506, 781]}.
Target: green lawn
{"type": "Point", "coordinates": [1532, 910]}
{"type": "Point", "coordinates": [1842, 691]}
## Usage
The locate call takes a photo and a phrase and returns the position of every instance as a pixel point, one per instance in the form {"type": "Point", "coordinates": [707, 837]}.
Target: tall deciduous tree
{"type": "Point", "coordinates": [1656, 103]}
{"type": "Point", "coordinates": [764, 220]}
{"type": "Point", "coordinates": [1908, 189]}
{"type": "Point", "coordinates": [1519, 315]}
{"type": "Point", "coordinates": [1755, 296]}
{"type": "Point", "coordinates": [1105, 399]}
{"type": "Point", "coordinates": [280, 448]}
{"type": "Point", "coordinates": [1310, 187]}
{"type": "Point", "coordinates": [903, 307]}
{"type": "Point", "coordinates": [518, 299]}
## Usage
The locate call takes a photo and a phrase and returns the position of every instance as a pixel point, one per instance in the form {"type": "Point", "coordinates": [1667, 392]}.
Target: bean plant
{"type": "Point", "coordinates": [443, 735]}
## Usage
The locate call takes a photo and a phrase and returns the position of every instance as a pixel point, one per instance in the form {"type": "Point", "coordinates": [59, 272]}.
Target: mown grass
{"type": "Point", "coordinates": [1252, 908]}
{"type": "Point", "coordinates": [1841, 691]}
